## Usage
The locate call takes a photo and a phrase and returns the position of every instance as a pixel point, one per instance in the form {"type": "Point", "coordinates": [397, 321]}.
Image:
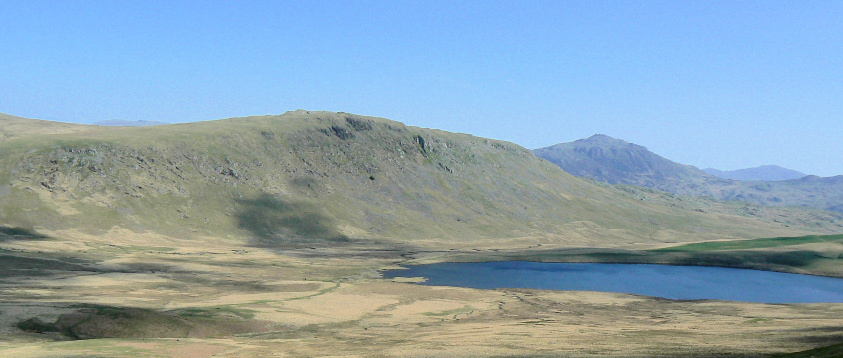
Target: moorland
{"type": "Point", "coordinates": [266, 235]}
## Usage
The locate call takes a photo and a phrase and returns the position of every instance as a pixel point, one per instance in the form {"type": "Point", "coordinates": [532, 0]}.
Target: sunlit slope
{"type": "Point", "coordinates": [12, 127]}
{"type": "Point", "coordinates": [322, 177]}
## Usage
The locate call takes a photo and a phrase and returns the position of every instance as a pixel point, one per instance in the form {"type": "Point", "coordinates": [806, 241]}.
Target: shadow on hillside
{"type": "Point", "coordinates": [92, 321]}
{"type": "Point", "coordinates": [276, 222]}
{"type": "Point", "coordinates": [8, 233]}
{"type": "Point", "coordinates": [18, 266]}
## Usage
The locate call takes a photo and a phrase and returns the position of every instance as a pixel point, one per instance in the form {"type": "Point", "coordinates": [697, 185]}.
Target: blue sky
{"type": "Point", "coordinates": [724, 84]}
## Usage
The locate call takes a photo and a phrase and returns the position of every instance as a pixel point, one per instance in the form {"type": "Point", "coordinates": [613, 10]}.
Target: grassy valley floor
{"type": "Point", "coordinates": [155, 296]}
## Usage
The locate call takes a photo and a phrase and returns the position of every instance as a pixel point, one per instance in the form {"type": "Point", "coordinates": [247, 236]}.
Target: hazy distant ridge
{"type": "Point", "coordinates": [125, 123]}
{"type": "Point", "coordinates": [764, 172]}
{"type": "Point", "coordinates": [615, 161]}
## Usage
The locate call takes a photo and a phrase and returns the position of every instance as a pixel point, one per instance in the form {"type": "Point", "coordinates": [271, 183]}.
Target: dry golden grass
{"type": "Point", "coordinates": [247, 302]}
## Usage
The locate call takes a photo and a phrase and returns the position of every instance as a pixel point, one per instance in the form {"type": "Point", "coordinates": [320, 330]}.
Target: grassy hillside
{"type": "Point", "coordinates": [615, 161]}
{"type": "Point", "coordinates": [328, 177]}
{"type": "Point", "coordinates": [13, 127]}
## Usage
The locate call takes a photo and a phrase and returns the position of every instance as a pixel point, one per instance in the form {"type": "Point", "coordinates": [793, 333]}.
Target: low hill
{"type": "Point", "coordinates": [764, 172]}
{"type": "Point", "coordinates": [12, 127]}
{"type": "Point", "coordinates": [614, 161]}
{"type": "Point", "coordinates": [328, 178]}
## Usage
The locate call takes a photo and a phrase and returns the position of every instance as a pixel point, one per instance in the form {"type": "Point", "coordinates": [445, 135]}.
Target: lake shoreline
{"type": "Point", "coordinates": [672, 282]}
{"type": "Point", "coordinates": [786, 262]}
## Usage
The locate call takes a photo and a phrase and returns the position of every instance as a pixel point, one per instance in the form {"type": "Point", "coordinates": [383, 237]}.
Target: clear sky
{"type": "Point", "coordinates": [724, 84]}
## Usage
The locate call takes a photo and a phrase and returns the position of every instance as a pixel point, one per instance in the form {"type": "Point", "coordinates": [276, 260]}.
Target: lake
{"type": "Point", "coordinates": [673, 282]}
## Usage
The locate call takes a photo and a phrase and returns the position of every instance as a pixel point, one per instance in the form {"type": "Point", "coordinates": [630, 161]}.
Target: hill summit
{"type": "Point", "coordinates": [616, 161]}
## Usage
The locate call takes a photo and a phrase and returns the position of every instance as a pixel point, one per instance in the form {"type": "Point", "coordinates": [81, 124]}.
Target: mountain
{"type": "Point", "coordinates": [615, 161]}
{"type": "Point", "coordinates": [764, 172]}
{"type": "Point", "coordinates": [125, 123]}
{"type": "Point", "coordinates": [331, 178]}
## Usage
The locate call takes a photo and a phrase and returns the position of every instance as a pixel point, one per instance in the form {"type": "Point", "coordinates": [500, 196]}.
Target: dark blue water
{"type": "Point", "coordinates": [673, 282]}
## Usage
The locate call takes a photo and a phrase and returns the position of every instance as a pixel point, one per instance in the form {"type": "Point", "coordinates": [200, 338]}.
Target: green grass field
{"type": "Point", "coordinates": [753, 244]}
{"type": "Point", "coordinates": [784, 254]}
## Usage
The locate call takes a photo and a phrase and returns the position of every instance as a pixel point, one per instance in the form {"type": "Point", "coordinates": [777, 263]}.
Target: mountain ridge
{"type": "Point", "coordinates": [762, 173]}
{"type": "Point", "coordinates": [635, 165]}
{"type": "Point", "coordinates": [322, 177]}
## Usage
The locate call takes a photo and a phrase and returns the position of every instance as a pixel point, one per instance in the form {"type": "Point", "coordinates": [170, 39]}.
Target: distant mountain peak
{"type": "Point", "coordinates": [602, 138]}
{"type": "Point", "coordinates": [616, 161]}
{"type": "Point", "coordinates": [764, 172]}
